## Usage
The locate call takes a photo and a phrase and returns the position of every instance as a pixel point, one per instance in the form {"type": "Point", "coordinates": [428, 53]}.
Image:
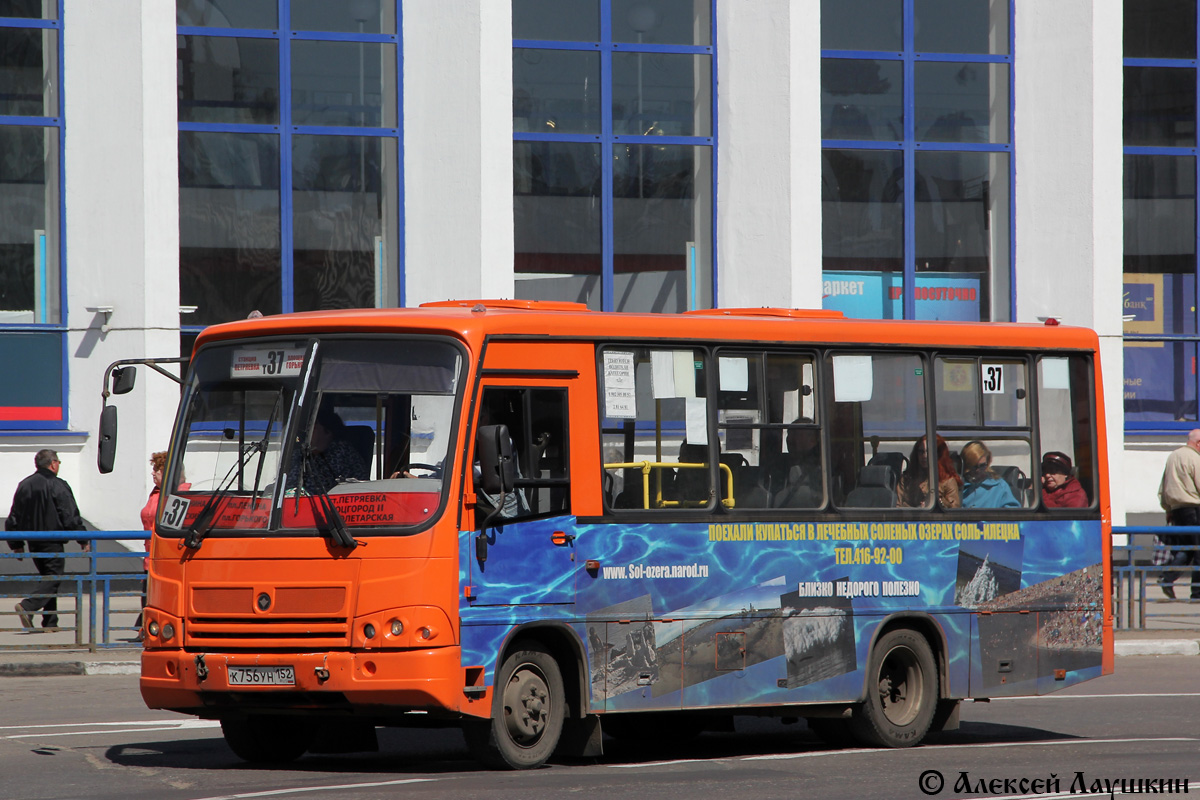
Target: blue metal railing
{"type": "Point", "coordinates": [1134, 570]}
{"type": "Point", "coordinates": [93, 590]}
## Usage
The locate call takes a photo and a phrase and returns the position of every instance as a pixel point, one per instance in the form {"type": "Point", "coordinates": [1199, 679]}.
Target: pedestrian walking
{"type": "Point", "coordinates": [44, 502]}
{"type": "Point", "coordinates": [1179, 495]}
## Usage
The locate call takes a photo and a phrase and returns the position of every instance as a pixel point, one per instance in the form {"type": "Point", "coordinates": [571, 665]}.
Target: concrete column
{"type": "Point", "coordinates": [1068, 187]}
{"type": "Point", "coordinates": [458, 150]}
{"type": "Point", "coordinates": [122, 241]}
{"type": "Point", "coordinates": [769, 156]}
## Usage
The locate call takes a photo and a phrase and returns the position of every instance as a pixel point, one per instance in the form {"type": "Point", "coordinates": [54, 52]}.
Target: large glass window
{"type": "Point", "coordinates": [613, 174]}
{"type": "Point", "coordinates": [917, 131]}
{"type": "Point", "coordinates": [289, 146]}
{"type": "Point", "coordinates": [1159, 304]}
{"type": "Point", "coordinates": [31, 226]}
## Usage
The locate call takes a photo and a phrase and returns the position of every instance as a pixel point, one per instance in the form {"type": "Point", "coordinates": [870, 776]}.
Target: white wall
{"type": "Point", "coordinates": [121, 248]}
{"type": "Point", "coordinates": [1068, 185]}
{"type": "Point", "coordinates": [458, 149]}
{"type": "Point", "coordinates": [769, 157]}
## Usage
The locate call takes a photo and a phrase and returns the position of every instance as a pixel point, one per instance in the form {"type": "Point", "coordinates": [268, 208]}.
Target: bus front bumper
{"type": "Point", "coordinates": [375, 681]}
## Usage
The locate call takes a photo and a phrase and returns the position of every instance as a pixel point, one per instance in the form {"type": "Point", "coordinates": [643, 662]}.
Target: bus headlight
{"type": "Point", "coordinates": [168, 632]}
{"type": "Point", "coordinates": [397, 627]}
{"type": "Point", "coordinates": [153, 627]}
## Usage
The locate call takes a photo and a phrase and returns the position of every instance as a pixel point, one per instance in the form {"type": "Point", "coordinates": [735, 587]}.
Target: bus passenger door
{"type": "Point", "coordinates": [522, 548]}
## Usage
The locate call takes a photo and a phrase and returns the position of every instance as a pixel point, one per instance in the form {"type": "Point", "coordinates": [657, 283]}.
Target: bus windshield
{"type": "Point", "coordinates": [272, 432]}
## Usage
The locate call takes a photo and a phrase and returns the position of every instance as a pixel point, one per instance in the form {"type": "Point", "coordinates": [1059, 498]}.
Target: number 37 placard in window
{"type": "Point", "coordinates": [266, 361]}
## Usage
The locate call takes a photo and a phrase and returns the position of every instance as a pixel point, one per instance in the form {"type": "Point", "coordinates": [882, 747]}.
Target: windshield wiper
{"type": "Point", "coordinates": [325, 514]}
{"type": "Point", "coordinates": [263, 449]}
{"type": "Point", "coordinates": [204, 522]}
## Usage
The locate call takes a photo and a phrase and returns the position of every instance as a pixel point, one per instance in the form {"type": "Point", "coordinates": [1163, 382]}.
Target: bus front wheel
{"type": "Point", "coordinates": [528, 707]}
{"type": "Point", "coordinates": [262, 739]}
{"type": "Point", "coordinates": [902, 691]}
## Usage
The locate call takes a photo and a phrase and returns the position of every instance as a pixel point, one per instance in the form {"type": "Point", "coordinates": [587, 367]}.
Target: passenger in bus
{"type": "Point", "coordinates": [802, 486]}
{"type": "Point", "coordinates": [690, 484]}
{"type": "Point", "coordinates": [1060, 488]}
{"type": "Point", "coordinates": [984, 488]}
{"type": "Point", "coordinates": [913, 489]}
{"type": "Point", "coordinates": [331, 458]}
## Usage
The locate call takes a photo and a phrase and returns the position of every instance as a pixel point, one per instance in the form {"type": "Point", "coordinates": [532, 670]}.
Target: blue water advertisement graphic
{"type": "Point", "coordinates": [694, 615]}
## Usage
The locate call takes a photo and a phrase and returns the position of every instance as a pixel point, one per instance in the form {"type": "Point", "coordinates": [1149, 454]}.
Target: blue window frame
{"type": "Point", "coordinates": [917, 158]}
{"type": "Point", "coordinates": [614, 152]}
{"type": "Point", "coordinates": [32, 233]}
{"type": "Point", "coordinates": [290, 157]}
{"type": "Point", "coordinates": [1160, 237]}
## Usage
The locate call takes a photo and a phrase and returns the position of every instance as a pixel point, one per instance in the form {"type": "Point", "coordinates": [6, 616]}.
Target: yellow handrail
{"type": "Point", "coordinates": [659, 502]}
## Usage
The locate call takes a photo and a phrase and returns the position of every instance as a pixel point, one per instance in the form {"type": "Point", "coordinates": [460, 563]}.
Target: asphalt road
{"type": "Point", "coordinates": [90, 737]}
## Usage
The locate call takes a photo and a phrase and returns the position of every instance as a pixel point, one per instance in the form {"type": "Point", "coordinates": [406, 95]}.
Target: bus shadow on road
{"type": "Point", "coordinates": [442, 751]}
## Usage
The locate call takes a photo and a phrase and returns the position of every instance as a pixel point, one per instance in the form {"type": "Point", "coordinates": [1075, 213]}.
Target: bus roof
{"type": "Point", "coordinates": [474, 320]}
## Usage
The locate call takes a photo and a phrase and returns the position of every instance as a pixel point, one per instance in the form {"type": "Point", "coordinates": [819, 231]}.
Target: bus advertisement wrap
{"type": "Point", "coordinates": [694, 615]}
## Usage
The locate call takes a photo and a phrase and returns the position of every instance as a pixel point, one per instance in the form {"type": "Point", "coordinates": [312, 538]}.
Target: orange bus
{"type": "Point", "coordinates": [542, 523]}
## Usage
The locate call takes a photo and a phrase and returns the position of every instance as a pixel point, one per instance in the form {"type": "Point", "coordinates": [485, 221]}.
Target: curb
{"type": "Point", "coordinates": [59, 668]}
{"type": "Point", "coordinates": [1157, 647]}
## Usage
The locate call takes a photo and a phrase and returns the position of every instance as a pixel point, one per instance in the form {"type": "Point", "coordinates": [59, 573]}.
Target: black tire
{"type": "Point", "coordinates": [902, 692]}
{"type": "Point", "coordinates": [268, 739]}
{"type": "Point", "coordinates": [528, 707]}
{"type": "Point", "coordinates": [833, 732]}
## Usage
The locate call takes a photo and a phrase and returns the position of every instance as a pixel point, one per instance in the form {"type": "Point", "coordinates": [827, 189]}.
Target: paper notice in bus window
{"type": "Point", "coordinates": [852, 379]}
{"type": "Point", "coordinates": [735, 374]}
{"type": "Point", "coordinates": [266, 362]}
{"type": "Point", "coordinates": [662, 373]}
{"type": "Point", "coordinates": [685, 373]}
{"type": "Point", "coordinates": [697, 420]}
{"type": "Point", "coordinates": [620, 391]}
{"type": "Point", "coordinates": [1056, 373]}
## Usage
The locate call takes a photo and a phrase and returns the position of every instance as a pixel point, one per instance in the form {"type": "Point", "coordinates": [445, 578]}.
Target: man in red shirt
{"type": "Point", "coordinates": [1060, 488]}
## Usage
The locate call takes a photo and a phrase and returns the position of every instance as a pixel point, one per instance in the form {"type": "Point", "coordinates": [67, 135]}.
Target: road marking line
{"type": "Point", "coordinates": [298, 790]}
{"type": "Point", "coordinates": [190, 725]}
{"type": "Point", "coordinates": [174, 721]}
{"type": "Point", "coordinates": [1094, 696]}
{"type": "Point", "coordinates": [973, 746]}
{"type": "Point", "coordinates": [1193, 785]}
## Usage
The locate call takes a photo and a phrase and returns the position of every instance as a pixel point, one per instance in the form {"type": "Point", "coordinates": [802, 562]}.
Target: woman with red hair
{"type": "Point", "coordinates": [913, 489]}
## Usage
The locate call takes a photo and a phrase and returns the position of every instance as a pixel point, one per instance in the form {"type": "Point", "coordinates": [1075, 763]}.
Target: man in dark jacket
{"type": "Point", "coordinates": [44, 502]}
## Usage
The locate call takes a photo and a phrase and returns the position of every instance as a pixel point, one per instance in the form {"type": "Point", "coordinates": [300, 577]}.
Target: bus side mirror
{"type": "Point", "coordinates": [123, 380]}
{"type": "Point", "coordinates": [497, 468]}
{"type": "Point", "coordinates": [107, 452]}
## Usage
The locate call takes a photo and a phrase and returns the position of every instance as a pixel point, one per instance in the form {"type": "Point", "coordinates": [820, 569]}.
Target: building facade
{"type": "Point", "coordinates": [165, 166]}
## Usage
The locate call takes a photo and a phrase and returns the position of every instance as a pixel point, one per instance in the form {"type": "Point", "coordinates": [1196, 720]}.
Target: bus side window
{"type": "Point", "coordinates": [768, 429]}
{"type": "Point", "coordinates": [536, 420]}
{"type": "Point", "coordinates": [1065, 429]}
{"type": "Point", "coordinates": [982, 410]}
{"type": "Point", "coordinates": [654, 421]}
{"type": "Point", "coordinates": [878, 423]}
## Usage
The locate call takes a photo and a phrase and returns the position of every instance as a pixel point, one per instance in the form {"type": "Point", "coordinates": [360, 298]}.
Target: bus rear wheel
{"type": "Point", "coordinates": [262, 739]}
{"type": "Point", "coordinates": [901, 691]}
{"type": "Point", "coordinates": [528, 708]}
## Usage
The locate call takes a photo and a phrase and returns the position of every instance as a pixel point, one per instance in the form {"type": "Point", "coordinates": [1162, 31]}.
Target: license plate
{"type": "Point", "coordinates": [262, 676]}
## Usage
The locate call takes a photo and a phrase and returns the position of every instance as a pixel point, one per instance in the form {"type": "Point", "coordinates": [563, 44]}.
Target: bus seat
{"type": "Point", "coordinates": [691, 485]}
{"type": "Point", "coordinates": [1017, 481]}
{"type": "Point", "coordinates": [894, 460]}
{"type": "Point", "coordinates": [876, 488]}
{"type": "Point", "coordinates": [957, 459]}
{"type": "Point", "coordinates": [362, 439]}
{"type": "Point", "coordinates": [748, 487]}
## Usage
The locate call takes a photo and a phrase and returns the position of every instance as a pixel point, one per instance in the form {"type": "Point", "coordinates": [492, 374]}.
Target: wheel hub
{"type": "Point", "coordinates": [526, 705]}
